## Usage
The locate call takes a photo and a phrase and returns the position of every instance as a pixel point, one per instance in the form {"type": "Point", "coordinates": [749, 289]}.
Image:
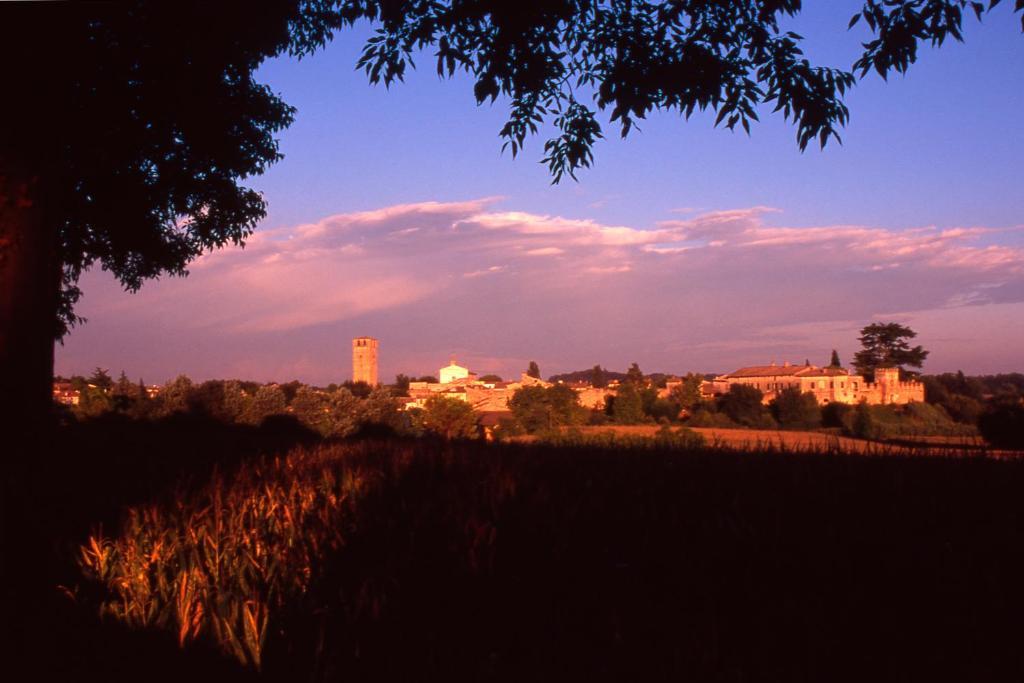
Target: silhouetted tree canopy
{"type": "Point", "coordinates": [101, 379]}
{"type": "Point", "coordinates": [1002, 425]}
{"type": "Point", "coordinates": [560, 61]}
{"type": "Point", "coordinates": [885, 346]}
{"type": "Point", "coordinates": [533, 370]}
{"type": "Point", "coordinates": [634, 374]}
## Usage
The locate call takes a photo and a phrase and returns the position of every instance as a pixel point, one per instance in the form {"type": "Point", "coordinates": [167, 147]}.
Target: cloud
{"type": "Point", "coordinates": [485, 271]}
{"type": "Point", "coordinates": [720, 289]}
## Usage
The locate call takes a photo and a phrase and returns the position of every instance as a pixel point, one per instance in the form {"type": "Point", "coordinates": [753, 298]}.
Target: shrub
{"type": "Point", "coordinates": [864, 424]}
{"type": "Point", "coordinates": [796, 410]}
{"type": "Point", "coordinates": [708, 418]}
{"type": "Point", "coordinates": [838, 415]}
{"type": "Point", "coordinates": [627, 405]}
{"type": "Point", "coordinates": [743, 405]}
{"type": "Point", "coordinates": [664, 409]}
{"type": "Point", "coordinates": [449, 418]}
{"type": "Point", "coordinates": [538, 408]}
{"type": "Point", "coordinates": [269, 400]}
{"type": "Point", "coordinates": [914, 419]}
{"type": "Point", "coordinates": [1002, 425]}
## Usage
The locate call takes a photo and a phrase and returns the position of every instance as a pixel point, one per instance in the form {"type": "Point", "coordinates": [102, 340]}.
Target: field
{"type": "Point", "coordinates": [745, 439]}
{"type": "Point", "coordinates": [254, 555]}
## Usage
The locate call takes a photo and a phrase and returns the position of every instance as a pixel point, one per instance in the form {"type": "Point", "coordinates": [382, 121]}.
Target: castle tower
{"type": "Point", "coordinates": [364, 360]}
{"type": "Point", "coordinates": [888, 380]}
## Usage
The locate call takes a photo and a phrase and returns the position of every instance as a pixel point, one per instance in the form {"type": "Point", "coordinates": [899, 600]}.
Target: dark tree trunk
{"type": "Point", "coordinates": [30, 272]}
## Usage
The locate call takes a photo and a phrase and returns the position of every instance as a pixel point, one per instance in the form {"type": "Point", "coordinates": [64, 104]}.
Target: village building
{"type": "Point", "coordinates": [592, 397]}
{"type": "Point", "coordinates": [453, 372]}
{"type": "Point", "coordinates": [66, 394]}
{"type": "Point", "coordinates": [459, 383]}
{"type": "Point", "coordinates": [827, 385]}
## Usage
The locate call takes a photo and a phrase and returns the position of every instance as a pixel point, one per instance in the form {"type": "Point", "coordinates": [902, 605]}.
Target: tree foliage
{"type": "Point", "coordinates": [533, 370]}
{"type": "Point", "coordinates": [268, 400]}
{"type": "Point", "coordinates": [627, 406]}
{"type": "Point", "coordinates": [561, 62]}
{"type": "Point", "coordinates": [137, 175]}
{"type": "Point", "coordinates": [101, 379]}
{"type": "Point", "coordinates": [885, 345]}
{"type": "Point", "coordinates": [634, 375]}
{"type": "Point", "coordinates": [865, 425]}
{"type": "Point", "coordinates": [449, 418]}
{"type": "Point", "coordinates": [401, 385]}
{"type": "Point", "coordinates": [743, 405]}
{"type": "Point", "coordinates": [175, 396]}
{"type": "Point", "coordinates": [539, 408]}
{"type": "Point", "coordinates": [959, 396]}
{"type": "Point", "coordinates": [687, 394]}
{"type": "Point", "coordinates": [794, 409]}
{"type": "Point", "coordinates": [1002, 425]}
{"type": "Point", "coordinates": [901, 25]}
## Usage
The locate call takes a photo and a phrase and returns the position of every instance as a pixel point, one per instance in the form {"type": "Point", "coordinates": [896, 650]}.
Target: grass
{"type": "Point", "coordinates": [393, 560]}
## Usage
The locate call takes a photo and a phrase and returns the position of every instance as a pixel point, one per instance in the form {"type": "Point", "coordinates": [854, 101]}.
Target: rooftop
{"type": "Point", "coordinates": [786, 370]}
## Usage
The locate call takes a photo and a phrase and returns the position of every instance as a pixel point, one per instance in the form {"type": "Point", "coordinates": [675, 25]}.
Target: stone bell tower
{"type": "Point", "coordinates": [364, 360]}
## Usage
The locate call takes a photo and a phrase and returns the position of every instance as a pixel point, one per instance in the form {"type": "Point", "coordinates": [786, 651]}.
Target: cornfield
{"type": "Point", "coordinates": [601, 560]}
{"type": "Point", "coordinates": [220, 562]}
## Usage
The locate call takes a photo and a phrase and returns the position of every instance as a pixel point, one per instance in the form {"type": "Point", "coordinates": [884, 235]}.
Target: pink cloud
{"type": "Point", "coordinates": [721, 289]}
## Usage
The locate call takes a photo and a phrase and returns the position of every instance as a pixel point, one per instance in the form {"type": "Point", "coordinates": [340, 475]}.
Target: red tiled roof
{"type": "Point", "coordinates": [786, 371]}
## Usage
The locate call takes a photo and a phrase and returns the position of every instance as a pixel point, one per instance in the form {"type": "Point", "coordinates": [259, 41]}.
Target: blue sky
{"type": "Point", "coordinates": [916, 217]}
{"type": "Point", "coordinates": [939, 146]}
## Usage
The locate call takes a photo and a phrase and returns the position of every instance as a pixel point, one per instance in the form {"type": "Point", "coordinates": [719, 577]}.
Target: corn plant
{"type": "Point", "coordinates": [220, 562]}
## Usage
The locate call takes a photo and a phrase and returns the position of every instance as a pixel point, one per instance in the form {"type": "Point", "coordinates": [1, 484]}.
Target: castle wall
{"type": "Point", "coordinates": [836, 387]}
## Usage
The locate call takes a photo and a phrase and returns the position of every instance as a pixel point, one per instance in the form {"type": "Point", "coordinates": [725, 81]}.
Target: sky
{"type": "Point", "coordinates": [395, 214]}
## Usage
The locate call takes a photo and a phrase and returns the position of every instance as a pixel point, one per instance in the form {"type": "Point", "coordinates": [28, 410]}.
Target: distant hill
{"type": "Point", "coordinates": [656, 378]}
{"type": "Point", "coordinates": [585, 376]}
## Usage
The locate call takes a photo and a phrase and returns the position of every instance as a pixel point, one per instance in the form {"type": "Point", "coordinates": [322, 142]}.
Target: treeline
{"type": "Point", "coordinates": [742, 406]}
{"type": "Point", "coordinates": [332, 411]}
{"type": "Point", "coordinates": [956, 406]}
{"type": "Point", "coordinates": [994, 403]}
{"type": "Point", "coordinates": [600, 377]}
{"type": "Point", "coordinates": [539, 410]}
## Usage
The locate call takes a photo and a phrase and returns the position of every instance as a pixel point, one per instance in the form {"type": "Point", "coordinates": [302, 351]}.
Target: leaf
{"type": "Point", "coordinates": [853, 21]}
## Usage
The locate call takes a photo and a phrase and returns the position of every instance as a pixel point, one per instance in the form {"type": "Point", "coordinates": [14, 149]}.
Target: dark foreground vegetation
{"type": "Point", "coordinates": [183, 547]}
